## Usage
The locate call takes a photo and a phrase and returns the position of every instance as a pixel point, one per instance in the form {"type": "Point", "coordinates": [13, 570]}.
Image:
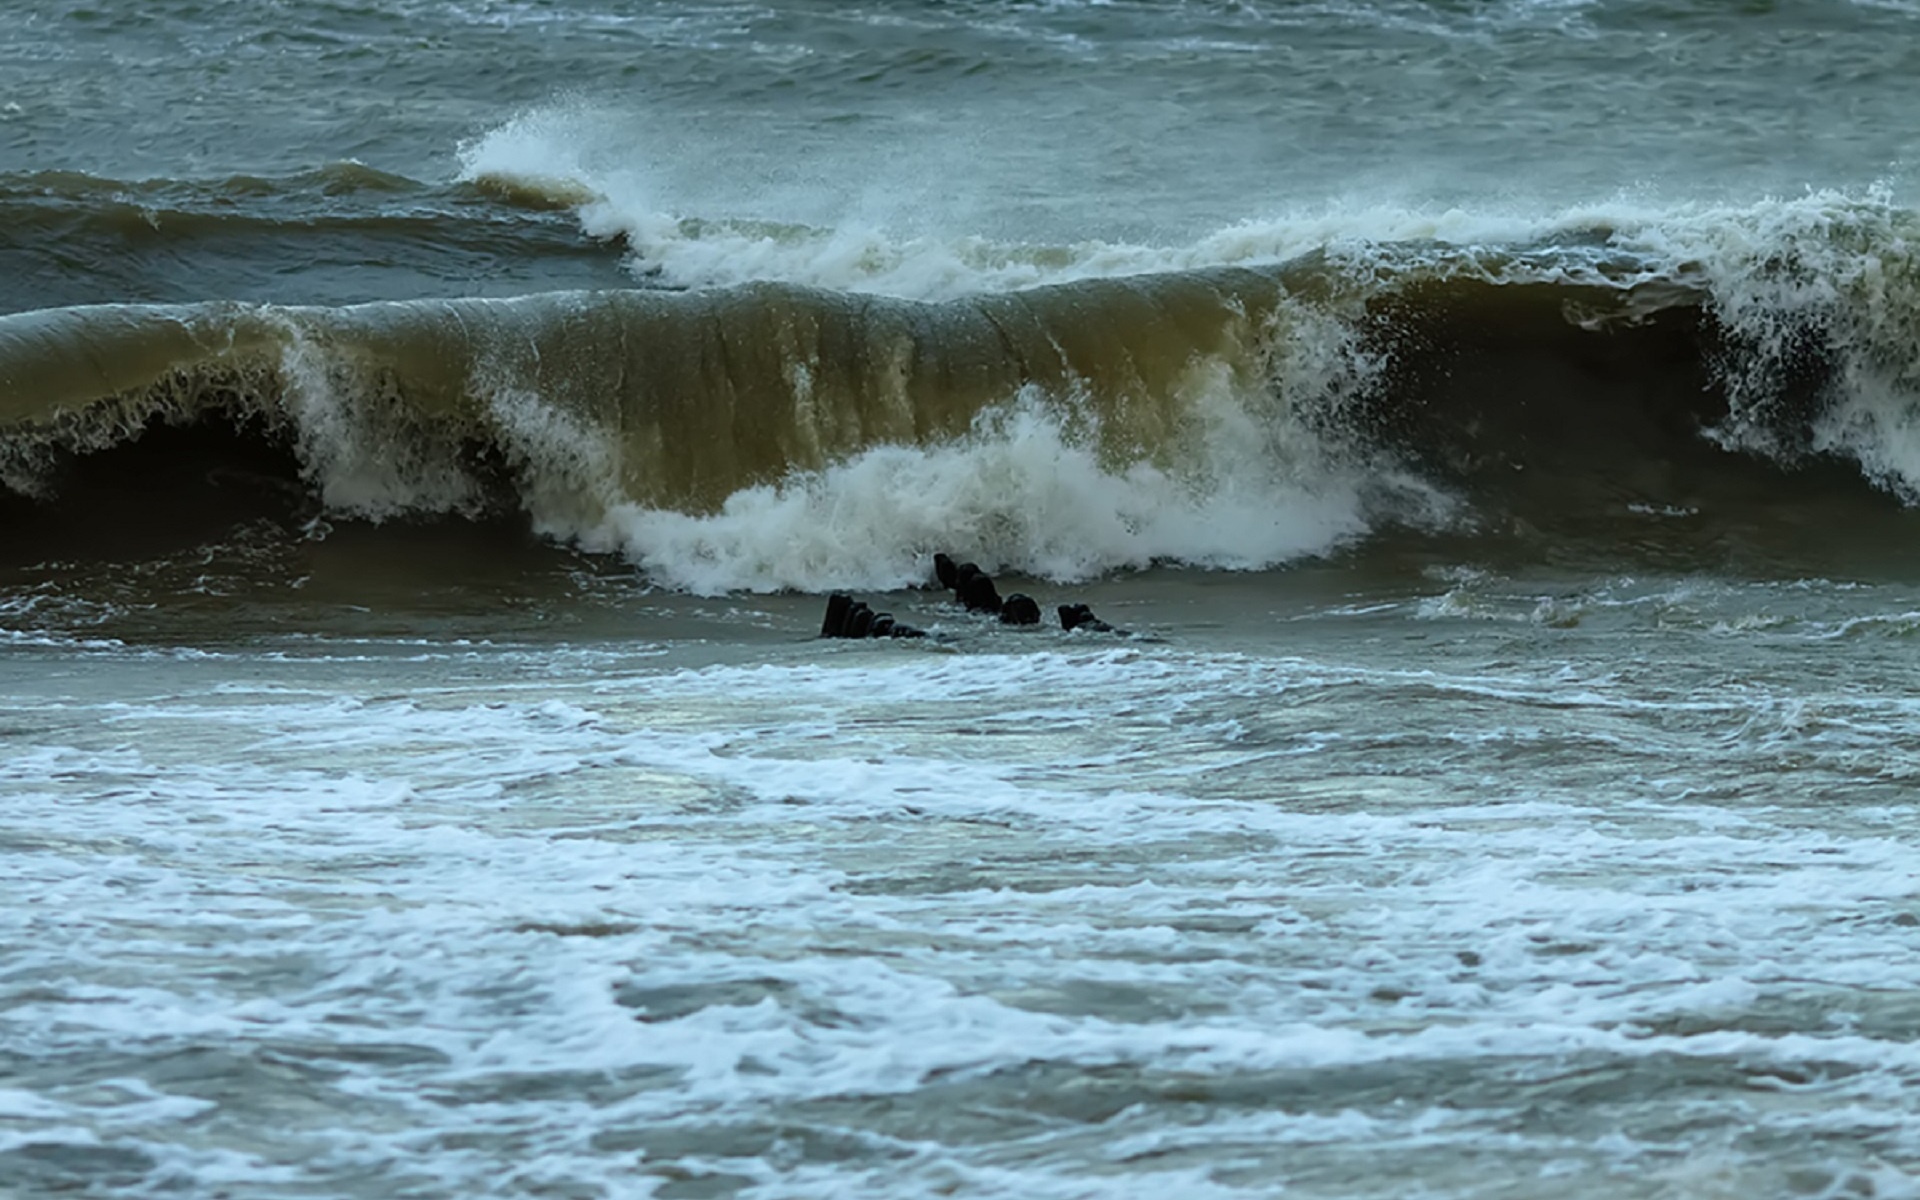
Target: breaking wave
{"type": "Point", "coordinates": [1233, 414]}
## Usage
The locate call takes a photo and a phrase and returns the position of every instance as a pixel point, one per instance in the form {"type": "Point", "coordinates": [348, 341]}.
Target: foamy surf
{"type": "Point", "coordinates": [1020, 492]}
{"type": "Point", "coordinates": [574, 156]}
{"type": "Point", "coordinates": [657, 915]}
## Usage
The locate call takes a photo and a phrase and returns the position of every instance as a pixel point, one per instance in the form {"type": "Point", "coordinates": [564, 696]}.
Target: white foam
{"type": "Point", "coordinates": [1019, 493]}
{"type": "Point", "coordinates": [1826, 275]}
{"type": "Point", "coordinates": [573, 152]}
{"type": "Point", "coordinates": [548, 915]}
{"type": "Point", "coordinates": [367, 456]}
{"type": "Point", "coordinates": [1247, 483]}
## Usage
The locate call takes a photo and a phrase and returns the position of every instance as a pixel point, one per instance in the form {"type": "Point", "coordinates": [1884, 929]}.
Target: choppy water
{"type": "Point", "coordinates": [1472, 886]}
{"type": "Point", "coordinates": [428, 432]}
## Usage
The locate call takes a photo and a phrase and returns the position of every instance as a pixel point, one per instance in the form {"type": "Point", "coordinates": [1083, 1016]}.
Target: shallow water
{"type": "Point", "coordinates": [1466, 882]}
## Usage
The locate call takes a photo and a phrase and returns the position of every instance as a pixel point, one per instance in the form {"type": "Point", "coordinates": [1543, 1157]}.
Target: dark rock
{"type": "Point", "coordinates": [978, 593]}
{"type": "Point", "coordinates": [945, 572]}
{"type": "Point", "coordinates": [859, 621]}
{"type": "Point", "coordinates": [1079, 616]}
{"type": "Point", "coordinates": [836, 619]}
{"type": "Point", "coordinates": [1020, 609]}
{"type": "Point", "coordinates": [850, 618]}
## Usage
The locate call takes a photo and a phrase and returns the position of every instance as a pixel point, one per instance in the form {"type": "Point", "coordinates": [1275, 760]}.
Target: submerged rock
{"type": "Point", "coordinates": [835, 621]}
{"type": "Point", "coordinates": [1020, 609]}
{"type": "Point", "coordinates": [849, 618]}
{"type": "Point", "coordinates": [976, 590]}
{"type": "Point", "coordinates": [1079, 616]}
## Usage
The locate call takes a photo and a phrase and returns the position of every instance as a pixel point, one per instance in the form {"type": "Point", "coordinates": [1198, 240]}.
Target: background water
{"type": "Point", "coordinates": [1036, 124]}
{"type": "Point", "coordinates": [1491, 423]}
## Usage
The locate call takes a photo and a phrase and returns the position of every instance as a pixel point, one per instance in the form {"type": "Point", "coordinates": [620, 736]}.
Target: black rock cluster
{"type": "Point", "coordinates": [973, 588]}
{"type": "Point", "coordinates": [850, 618]}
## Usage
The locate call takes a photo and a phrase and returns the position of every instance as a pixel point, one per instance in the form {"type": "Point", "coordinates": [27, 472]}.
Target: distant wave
{"type": "Point", "coordinates": [338, 233]}
{"type": "Point", "coordinates": [548, 159]}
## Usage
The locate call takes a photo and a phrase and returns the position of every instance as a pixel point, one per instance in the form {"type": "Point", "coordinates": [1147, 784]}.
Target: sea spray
{"type": "Point", "coordinates": [362, 447]}
{"type": "Point", "coordinates": [1022, 491]}
{"type": "Point", "coordinates": [1820, 302]}
{"type": "Point", "coordinates": [1246, 467]}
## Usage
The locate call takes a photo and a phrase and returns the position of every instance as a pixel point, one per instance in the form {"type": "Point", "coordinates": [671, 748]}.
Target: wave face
{"type": "Point", "coordinates": [772, 435]}
{"type": "Point", "coordinates": [737, 438]}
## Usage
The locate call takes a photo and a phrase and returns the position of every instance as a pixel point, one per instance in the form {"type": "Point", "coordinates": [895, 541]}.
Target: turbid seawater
{"type": "Point", "coordinates": [430, 432]}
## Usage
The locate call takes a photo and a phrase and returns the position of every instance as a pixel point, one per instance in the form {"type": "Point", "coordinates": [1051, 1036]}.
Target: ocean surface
{"type": "Point", "coordinates": [430, 431]}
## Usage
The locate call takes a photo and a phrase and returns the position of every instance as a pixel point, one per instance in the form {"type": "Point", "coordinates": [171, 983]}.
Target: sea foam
{"type": "Point", "coordinates": [1019, 492]}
